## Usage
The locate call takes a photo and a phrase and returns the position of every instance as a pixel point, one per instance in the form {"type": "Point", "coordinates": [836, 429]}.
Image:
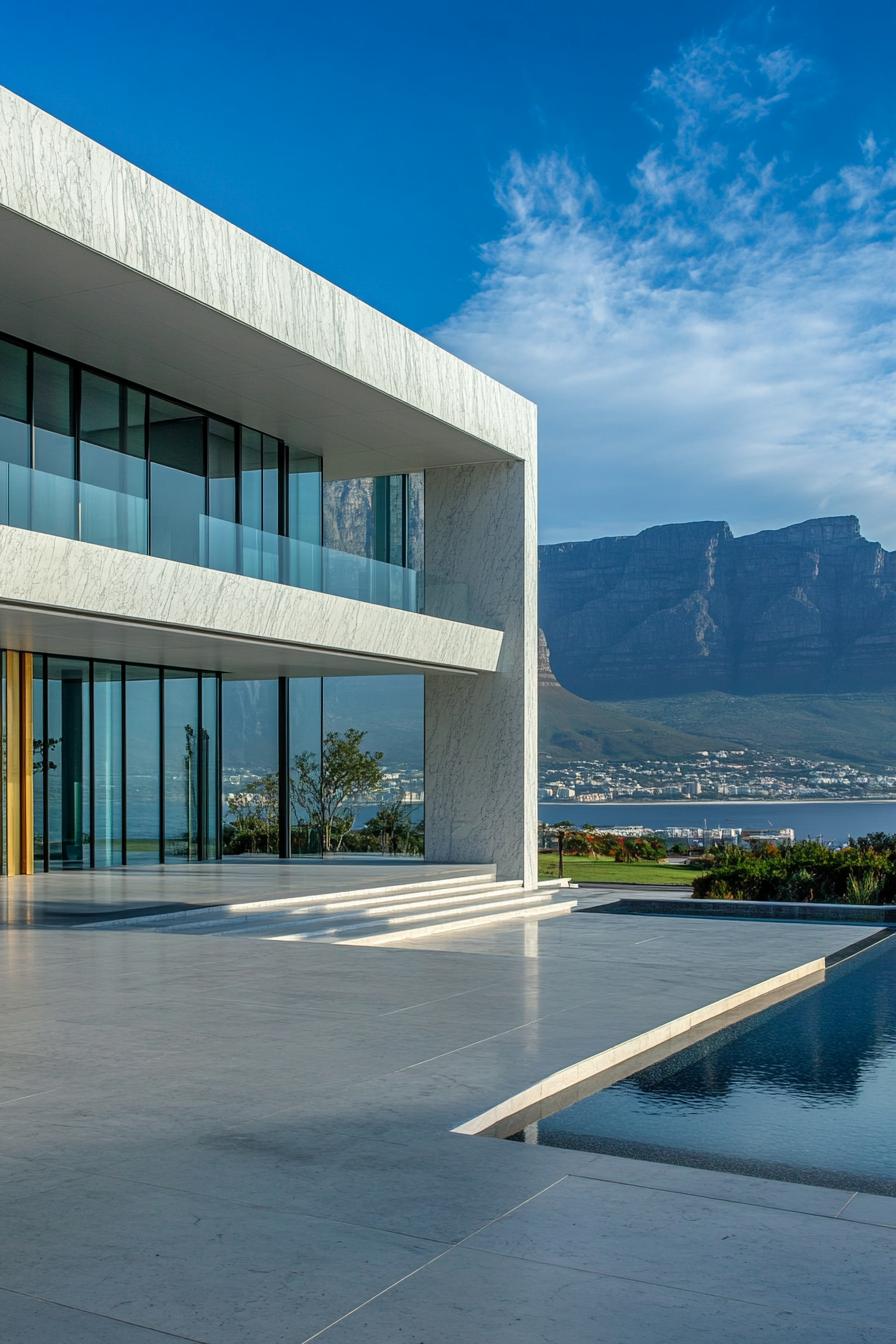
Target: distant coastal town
{"type": "Point", "coordinates": [713, 775]}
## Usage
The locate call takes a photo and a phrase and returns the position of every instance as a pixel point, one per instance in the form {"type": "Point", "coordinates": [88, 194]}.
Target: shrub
{"type": "Point", "coordinates": [807, 871]}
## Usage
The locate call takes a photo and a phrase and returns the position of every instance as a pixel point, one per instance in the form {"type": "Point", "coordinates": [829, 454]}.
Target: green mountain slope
{"type": "Point", "coordinates": [859, 728]}
{"type": "Point", "coordinates": [570, 728]}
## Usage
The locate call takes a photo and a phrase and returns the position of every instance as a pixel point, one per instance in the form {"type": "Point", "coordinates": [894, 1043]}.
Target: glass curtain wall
{"type": "Point", "coordinates": [251, 763]}
{"type": "Point", "coordinates": [304, 747]}
{"type": "Point", "coordinates": [86, 456]}
{"type": "Point", "coordinates": [108, 830]}
{"type": "Point", "coordinates": [112, 459]}
{"type": "Point", "coordinates": [67, 758]}
{"type": "Point", "coordinates": [287, 748]}
{"type": "Point", "coordinates": [142, 719]}
{"type": "Point", "coordinates": [126, 764]}
{"type": "Point", "coordinates": [180, 744]}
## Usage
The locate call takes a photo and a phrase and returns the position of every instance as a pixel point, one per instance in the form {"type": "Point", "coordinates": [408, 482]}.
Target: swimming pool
{"type": "Point", "coordinates": [805, 1091]}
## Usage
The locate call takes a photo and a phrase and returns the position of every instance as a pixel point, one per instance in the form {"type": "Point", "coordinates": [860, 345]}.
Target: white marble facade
{"type": "Point", "coordinates": [103, 263]}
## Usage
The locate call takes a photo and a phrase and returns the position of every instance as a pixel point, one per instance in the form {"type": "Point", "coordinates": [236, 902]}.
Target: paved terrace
{"type": "Point", "coordinates": [248, 1142]}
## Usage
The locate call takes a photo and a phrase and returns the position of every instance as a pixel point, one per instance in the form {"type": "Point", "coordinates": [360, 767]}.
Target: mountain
{"type": "Point", "coordinates": [689, 608]}
{"type": "Point", "coordinates": [570, 728]}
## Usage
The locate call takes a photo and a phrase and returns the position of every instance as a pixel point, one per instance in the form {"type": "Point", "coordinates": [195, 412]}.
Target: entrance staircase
{"type": "Point", "coordinates": [373, 917]}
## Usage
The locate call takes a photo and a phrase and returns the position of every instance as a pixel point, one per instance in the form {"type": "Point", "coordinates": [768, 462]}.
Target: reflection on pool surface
{"type": "Point", "coordinates": [805, 1090]}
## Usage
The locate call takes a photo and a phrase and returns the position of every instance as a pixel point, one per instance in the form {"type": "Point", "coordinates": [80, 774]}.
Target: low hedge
{"type": "Point", "coordinates": [805, 871]}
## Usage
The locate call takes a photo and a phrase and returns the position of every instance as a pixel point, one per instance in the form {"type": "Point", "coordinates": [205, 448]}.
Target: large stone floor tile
{"type": "Point", "coordinates": [472, 1297]}
{"type": "Point", "coordinates": [29, 1320]}
{"type": "Point", "coordinates": [878, 1209]}
{"type": "Point", "coordinates": [441, 1187]}
{"type": "Point", "coordinates": [194, 1265]}
{"type": "Point", "coordinates": [719, 1185]}
{"type": "Point", "coordinates": [772, 1256]}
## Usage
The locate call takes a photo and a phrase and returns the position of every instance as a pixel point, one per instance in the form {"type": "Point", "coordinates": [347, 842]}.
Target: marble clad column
{"type": "Point", "coordinates": [482, 732]}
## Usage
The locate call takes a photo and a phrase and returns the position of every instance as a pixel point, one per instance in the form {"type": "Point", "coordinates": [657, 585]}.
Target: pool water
{"type": "Point", "coordinates": [805, 1091]}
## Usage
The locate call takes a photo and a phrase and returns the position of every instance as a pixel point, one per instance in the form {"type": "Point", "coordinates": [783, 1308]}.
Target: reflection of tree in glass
{"type": "Point", "coordinates": [41, 759]}
{"type": "Point", "coordinates": [325, 791]}
{"type": "Point", "coordinates": [254, 825]}
{"type": "Point", "coordinates": [393, 829]}
{"type": "Point", "coordinates": [191, 787]}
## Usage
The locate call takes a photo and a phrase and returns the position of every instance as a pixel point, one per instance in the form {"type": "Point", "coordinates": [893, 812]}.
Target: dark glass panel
{"type": "Point", "coordinates": [304, 764]}
{"type": "Point", "coordinates": [270, 484]}
{"type": "Point", "coordinates": [177, 483]}
{"type": "Point", "coordinates": [259, 504]}
{"type": "Point", "coordinates": [222, 470]}
{"type": "Point", "coordinates": [15, 432]}
{"type": "Point", "coordinates": [210, 796]}
{"type": "Point", "coordinates": [303, 518]}
{"type": "Point", "coordinates": [250, 767]}
{"type": "Point", "coordinates": [142, 727]}
{"type": "Point", "coordinates": [54, 503]}
{"type": "Point", "coordinates": [181, 718]}
{"type": "Point", "coordinates": [389, 712]}
{"type": "Point", "coordinates": [113, 506]}
{"type": "Point", "coordinates": [222, 544]}
{"type": "Point", "coordinates": [135, 427]}
{"type": "Point", "coordinates": [250, 478]}
{"type": "Point", "coordinates": [53, 395]}
{"type": "Point", "coordinates": [68, 762]}
{"type": "Point", "coordinates": [107, 764]}
{"type": "Point", "coordinates": [40, 760]}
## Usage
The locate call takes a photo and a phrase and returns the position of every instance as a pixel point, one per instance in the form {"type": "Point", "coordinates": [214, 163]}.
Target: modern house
{"type": "Point", "coordinates": [224, 482]}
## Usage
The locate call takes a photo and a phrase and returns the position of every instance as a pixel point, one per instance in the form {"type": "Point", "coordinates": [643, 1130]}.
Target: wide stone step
{"type": "Point", "coordinates": [324, 909]}
{"type": "Point", "coordinates": [458, 922]}
{"type": "Point", "coordinates": [486, 905]}
{"type": "Point", "coordinates": [239, 910]}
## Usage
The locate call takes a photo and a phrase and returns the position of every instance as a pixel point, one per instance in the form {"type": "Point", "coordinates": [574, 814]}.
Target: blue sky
{"type": "Point", "coordinates": [671, 225]}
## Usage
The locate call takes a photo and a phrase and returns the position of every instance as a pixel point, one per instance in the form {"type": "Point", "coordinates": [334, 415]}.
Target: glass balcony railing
{"type": "Point", "coordinates": [40, 501]}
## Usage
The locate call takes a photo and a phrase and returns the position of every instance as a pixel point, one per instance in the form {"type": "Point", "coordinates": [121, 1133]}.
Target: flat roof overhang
{"type": "Point", "coordinates": [107, 265]}
{"type": "Point", "coordinates": [73, 598]}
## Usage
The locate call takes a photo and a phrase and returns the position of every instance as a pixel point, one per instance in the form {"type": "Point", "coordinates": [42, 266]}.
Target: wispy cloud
{"type": "Point", "coordinates": [722, 343]}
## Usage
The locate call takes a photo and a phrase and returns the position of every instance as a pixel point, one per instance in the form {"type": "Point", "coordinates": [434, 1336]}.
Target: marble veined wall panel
{"type": "Point", "coordinates": [482, 734]}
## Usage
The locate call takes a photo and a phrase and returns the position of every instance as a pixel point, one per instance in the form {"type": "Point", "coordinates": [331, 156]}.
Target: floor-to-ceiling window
{"type": "Point", "coordinates": [54, 505]}
{"type": "Point", "coordinates": [126, 763]}
{"type": "Point", "coordinates": [108, 829]}
{"type": "Point", "coordinates": [112, 463]}
{"type": "Point", "coordinates": [251, 763]}
{"type": "Point", "coordinates": [386, 818]}
{"type": "Point", "coordinates": [68, 735]}
{"type": "Point", "coordinates": [303, 746]}
{"type": "Point", "coordinates": [87, 456]}
{"type": "Point", "coordinates": [142, 703]}
{"type": "Point", "coordinates": [15, 434]}
{"type": "Point", "coordinates": [177, 481]}
{"type": "Point", "coordinates": [180, 741]}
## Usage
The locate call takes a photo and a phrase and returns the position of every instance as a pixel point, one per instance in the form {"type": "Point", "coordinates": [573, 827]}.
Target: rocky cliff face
{"type": "Point", "coordinates": [689, 607]}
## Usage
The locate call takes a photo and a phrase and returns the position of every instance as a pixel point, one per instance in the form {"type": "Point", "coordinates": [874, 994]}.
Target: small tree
{"type": "Point", "coordinates": [326, 790]}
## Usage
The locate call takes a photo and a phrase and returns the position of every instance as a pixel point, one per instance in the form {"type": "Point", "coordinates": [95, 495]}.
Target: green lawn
{"type": "Point", "coordinates": [605, 870]}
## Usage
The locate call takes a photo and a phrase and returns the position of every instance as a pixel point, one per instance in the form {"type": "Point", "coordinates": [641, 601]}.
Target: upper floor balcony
{"type": "Point", "coordinates": [91, 458]}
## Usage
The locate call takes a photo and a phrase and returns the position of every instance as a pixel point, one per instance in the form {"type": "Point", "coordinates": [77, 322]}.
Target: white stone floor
{"type": "Point", "coordinates": [248, 1142]}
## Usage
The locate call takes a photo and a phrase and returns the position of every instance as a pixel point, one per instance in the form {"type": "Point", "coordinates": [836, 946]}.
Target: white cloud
{"type": "Point", "coordinates": [720, 345]}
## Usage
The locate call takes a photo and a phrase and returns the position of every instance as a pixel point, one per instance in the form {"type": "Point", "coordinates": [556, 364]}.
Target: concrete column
{"type": "Point", "coordinates": [482, 732]}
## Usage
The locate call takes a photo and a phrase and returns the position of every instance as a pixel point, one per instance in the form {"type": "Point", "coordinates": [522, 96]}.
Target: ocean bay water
{"type": "Point", "coordinates": [834, 821]}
